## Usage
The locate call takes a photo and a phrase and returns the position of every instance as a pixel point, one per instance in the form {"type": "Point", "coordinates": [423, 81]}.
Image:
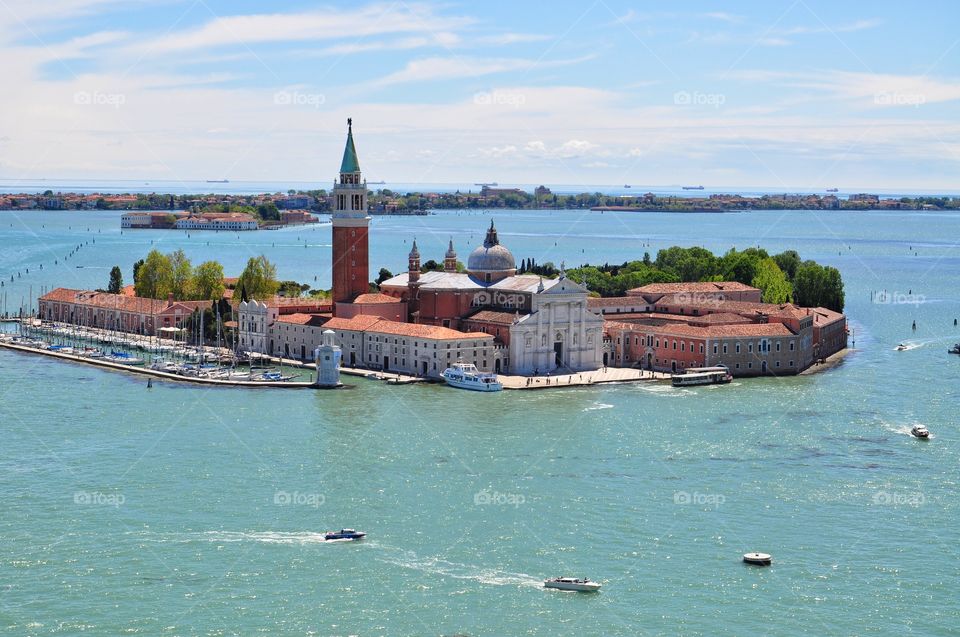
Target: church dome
{"type": "Point", "coordinates": [491, 256]}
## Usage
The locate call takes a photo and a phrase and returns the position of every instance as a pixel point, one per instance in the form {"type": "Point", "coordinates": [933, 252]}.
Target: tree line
{"type": "Point", "coordinates": [159, 275]}
{"type": "Point", "coordinates": [781, 278]}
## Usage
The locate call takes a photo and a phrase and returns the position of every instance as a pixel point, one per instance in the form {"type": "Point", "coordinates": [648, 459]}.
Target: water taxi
{"type": "Point", "coordinates": [702, 376]}
{"type": "Point", "coordinates": [954, 350]}
{"type": "Point", "coordinates": [467, 376]}
{"type": "Point", "coordinates": [572, 584]}
{"type": "Point", "coordinates": [344, 534]}
{"type": "Point", "coordinates": [902, 348]}
{"type": "Point", "coordinates": [920, 431]}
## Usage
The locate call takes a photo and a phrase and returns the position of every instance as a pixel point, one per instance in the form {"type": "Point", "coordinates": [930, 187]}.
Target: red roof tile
{"type": "Point", "coordinates": [372, 299]}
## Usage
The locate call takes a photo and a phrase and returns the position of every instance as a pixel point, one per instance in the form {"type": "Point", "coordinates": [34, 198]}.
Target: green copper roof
{"type": "Point", "coordinates": [350, 163]}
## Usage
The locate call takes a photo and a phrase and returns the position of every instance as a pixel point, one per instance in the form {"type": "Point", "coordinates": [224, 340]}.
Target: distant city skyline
{"type": "Point", "coordinates": [798, 95]}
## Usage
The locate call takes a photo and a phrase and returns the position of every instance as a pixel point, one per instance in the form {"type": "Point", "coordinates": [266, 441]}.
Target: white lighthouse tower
{"type": "Point", "coordinates": [327, 357]}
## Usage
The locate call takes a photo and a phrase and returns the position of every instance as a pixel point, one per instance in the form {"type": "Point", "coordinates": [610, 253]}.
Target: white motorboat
{"type": "Point", "coordinates": [920, 431]}
{"type": "Point", "coordinates": [467, 376]}
{"type": "Point", "coordinates": [344, 534]}
{"type": "Point", "coordinates": [902, 348]}
{"type": "Point", "coordinates": [583, 585]}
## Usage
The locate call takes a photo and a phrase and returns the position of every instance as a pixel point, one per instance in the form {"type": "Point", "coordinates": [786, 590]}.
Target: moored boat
{"type": "Point", "coordinates": [581, 584]}
{"type": "Point", "coordinates": [702, 376]}
{"type": "Point", "coordinates": [467, 376]}
{"type": "Point", "coordinates": [955, 349]}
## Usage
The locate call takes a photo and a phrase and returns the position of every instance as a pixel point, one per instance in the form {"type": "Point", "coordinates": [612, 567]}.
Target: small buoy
{"type": "Point", "coordinates": [760, 559]}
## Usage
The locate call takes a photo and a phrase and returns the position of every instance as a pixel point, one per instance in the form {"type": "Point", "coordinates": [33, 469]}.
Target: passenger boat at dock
{"type": "Point", "coordinates": [467, 376]}
{"type": "Point", "coordinates": [582, 585]}
{"type": "Point", "coordinates": [702, 376]}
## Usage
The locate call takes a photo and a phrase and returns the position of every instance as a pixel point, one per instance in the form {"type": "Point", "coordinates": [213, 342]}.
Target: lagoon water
{"type": "Point", "coordinates": [198, 511]}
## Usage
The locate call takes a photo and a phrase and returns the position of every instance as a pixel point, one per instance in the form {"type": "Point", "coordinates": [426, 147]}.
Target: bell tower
{"type": "Point", "coordinates": [450, 258]}
{"type": "Point", "coordinates": [413, 264]}
{"type": "Point", "coordinates": [351, 271]}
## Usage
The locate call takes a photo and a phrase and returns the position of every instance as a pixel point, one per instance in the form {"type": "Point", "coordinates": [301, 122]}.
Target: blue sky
{"type": "Point", "coordinates": [797, 94]}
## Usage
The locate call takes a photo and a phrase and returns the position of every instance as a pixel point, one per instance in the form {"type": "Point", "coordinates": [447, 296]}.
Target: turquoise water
{"type": "Point", "coordinates": [182, 511]}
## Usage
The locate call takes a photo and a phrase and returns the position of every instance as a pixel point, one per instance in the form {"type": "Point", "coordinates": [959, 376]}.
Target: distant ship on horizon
{"type": "Point", "coordinates": [833, 190]}
{"type": "Point", "coordinates": [218, 181]}
{"type": "Point", "coordinates": [693, 187]}
{"type": "Point", "coordinates": [491, 184]}
{"type": "Point", "coordinates": [376, 183]}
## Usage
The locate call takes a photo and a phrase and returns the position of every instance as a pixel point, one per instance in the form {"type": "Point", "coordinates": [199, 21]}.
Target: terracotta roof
{"type": "Point", "coordinates": [719, 318]}
{"type": "Point", "coordinates": [372, 299]}
{"type": "Point", "coordinates": [359, 323]}
{"type": "Point", "coordinates": [299, 318]}
{"type": "Point", "coordinates": [105, 300]}
{"type": "Point", "coordinates": [792, 311]}
{"type": "Point", "coordinates": [491, 316]}
{"type": "Point", "coordinates": [673, 288]}
{"type": "Point", "coordinates": [744, 330]}
{"type": "Point", "coordinates": [369, 323]}
{"type": "Point", "coordinates": [615, 301]}
{"type": "Point", "coordinates": [823, 316]}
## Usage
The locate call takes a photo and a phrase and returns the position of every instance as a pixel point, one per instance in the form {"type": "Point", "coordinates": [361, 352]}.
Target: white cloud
{"type": "Point", "coordinates": [445, 68]}
{"type": "Point", "coordinates": [247, 30]}
{"type": "Point", "coordinates": [723, 17]}
{"type": "Point", "coordinates": [512, 38]}
{"type": "Point", "coordinates": [868, 89]}
{"type": "Point", "coordinates": [859, 25]}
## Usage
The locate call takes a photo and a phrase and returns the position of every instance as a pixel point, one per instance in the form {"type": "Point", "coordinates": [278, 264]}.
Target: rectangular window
{"type": "Point", "coordinates": [738, 348]}
{"type": "Point", "coordinates": [724, 348]}
{"type": "Point", "coordinates": [714, 348]}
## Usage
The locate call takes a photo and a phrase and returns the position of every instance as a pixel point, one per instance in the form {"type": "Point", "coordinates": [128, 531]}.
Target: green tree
{"type": "Point", "coordinates": [258, 280]}
{"type": "Point", "coordinates": [207, 282]}
{"type": "Point", "coordinates": [182, 275]}
{"type": "Point", "coordinates": [155, 280]}
{"type": "Point", "coordinates": [816, 285]}
{"type": "Point", "coordinates": [383, 275]}
{"type": "Point", "coordinates": [788, 261]}
{"type": "Point", "coordinates": [772, 281]}
{"type": "Point", "coordinates": [116, 280]}
{"type": "Point", "coordinates": [292, 289]}
{"type": "Point", "coordinates": [136, 271]}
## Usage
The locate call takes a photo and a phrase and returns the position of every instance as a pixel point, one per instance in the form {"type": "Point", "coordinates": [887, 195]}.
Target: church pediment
{"type": "Point", "coordinates": [565, 286]}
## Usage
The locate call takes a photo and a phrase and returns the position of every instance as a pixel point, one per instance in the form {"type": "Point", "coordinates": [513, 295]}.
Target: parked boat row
{"type": "Point", "coordinates": [198, 368]}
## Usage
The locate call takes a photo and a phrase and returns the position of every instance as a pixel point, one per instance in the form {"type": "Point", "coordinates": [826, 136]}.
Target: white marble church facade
{"type": "Point", "coordinates": [559, 333]}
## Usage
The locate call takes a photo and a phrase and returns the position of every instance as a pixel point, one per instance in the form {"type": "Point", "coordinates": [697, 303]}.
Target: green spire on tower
{"type": "Point", "coordinates": [350, 163]}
